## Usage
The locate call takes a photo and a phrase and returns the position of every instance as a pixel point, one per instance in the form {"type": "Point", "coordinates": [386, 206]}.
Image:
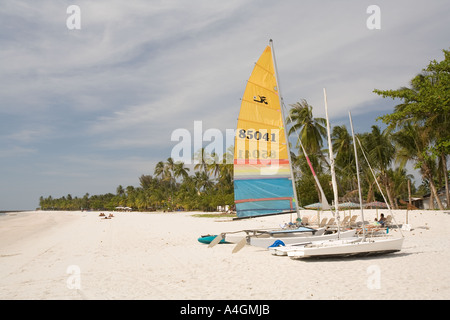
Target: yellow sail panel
{"type": "Point", "coordinates": [260, 132]}
{"type": "Point", "coordinates": [262, 174]}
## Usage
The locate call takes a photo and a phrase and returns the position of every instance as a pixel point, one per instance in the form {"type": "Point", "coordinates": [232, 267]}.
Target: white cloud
{"type": "Point", "coordinates": [29, 135]}
{"type": "Point", "coordinates": [16, 151]}
{"type": "Point", "coordinates": [138, 70]}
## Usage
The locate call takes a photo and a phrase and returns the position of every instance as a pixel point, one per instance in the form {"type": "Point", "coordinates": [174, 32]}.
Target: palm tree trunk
{"type": "Point", "coordinates": [447, 193]}
{"type": "Point", "coordinates": [389, 194]}
{"type": "Point", "coordinates": [370, 193]}
{"type": "Point", "coordinates": [385, 182]}
{"type": "Point", "coordinates": [433, 188]}
{"type": "Point", "coordinates": [431, 202]}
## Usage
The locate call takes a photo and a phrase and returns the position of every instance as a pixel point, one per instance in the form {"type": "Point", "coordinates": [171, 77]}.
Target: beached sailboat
{"type": "Point", "coordinates": [348, 247]}
{"type": "Point", "coordinates": [349, 235]}
{"type": "Point", "coordinates": [263, 177]}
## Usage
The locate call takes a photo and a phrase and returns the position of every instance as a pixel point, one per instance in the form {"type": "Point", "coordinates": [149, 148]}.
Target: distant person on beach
{"type": "Point", "coordinates": [382, 220]}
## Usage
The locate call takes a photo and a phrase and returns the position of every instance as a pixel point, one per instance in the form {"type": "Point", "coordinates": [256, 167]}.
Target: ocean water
{"type": "Point", "coordinates": [3, 213]}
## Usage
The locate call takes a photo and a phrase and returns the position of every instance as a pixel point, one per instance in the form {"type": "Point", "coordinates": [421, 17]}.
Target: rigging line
{"type": "Point", "coordinates": [357, 175]}
{"type": "Point", "coordinates": [307, 158]}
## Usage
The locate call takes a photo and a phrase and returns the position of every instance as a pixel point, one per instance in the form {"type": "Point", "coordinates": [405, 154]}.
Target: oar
{"type": "Point", "coordinates": [240, 245]}
{"type": "Point", "coordinates": [216, 240]}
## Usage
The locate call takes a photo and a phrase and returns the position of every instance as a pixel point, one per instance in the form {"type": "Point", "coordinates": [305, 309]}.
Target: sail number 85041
{"type": "Point", "coordinates": [252, 134]}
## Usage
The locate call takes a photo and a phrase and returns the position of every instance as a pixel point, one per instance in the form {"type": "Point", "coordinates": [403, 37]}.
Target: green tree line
{"type": "Point", "coordinates": [169, 188]}
{"type": "Point", "coordinates": [417, 131]}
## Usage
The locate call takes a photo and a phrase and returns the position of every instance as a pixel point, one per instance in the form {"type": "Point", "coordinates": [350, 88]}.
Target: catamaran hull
{"type": "Point", "coordinates": [347, 248]}
{"type": "Point", "coordinates": [265, 242]}
{"type": "Point", "coordinates": [235, 237]}
{"type": "Point", "coordinates": [283, 250]}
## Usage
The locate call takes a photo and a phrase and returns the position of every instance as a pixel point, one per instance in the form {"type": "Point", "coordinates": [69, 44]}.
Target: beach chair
{"type": "Point", "coordinates": [331, 223]}
{"type": "Point", "coordinates": [345, 221]}
{"type": "Point", "coordinates": [305, 221]}
{"type": "Point", "coordinates": [388, 222]}
{"type": "Point", "coordinates": [323, 223]}
{"type": "Point", "coordinates": [352, 222]}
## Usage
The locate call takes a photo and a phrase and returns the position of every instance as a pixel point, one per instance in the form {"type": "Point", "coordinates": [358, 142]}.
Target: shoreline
{"type": "Point", "coordinates": [74, 255]}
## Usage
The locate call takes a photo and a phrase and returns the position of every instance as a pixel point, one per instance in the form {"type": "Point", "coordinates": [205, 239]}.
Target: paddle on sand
{"type": "Point", "coordinates": [216, 240]}
{"type": "Point", "coordinates": [240, 245]}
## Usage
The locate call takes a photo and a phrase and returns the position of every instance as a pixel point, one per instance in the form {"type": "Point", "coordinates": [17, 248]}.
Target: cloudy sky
{"type": "Point", "coordinates": [84, 110]}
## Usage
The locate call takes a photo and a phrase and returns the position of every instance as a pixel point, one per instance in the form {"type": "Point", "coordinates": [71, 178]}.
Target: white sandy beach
{"type": "Point", "coordinates": [79, 255]}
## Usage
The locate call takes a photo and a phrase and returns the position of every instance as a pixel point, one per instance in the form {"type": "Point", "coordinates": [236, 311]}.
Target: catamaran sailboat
{"type": "Point", "coordinates": [348, 247]}
{"type": "Point", "coordinates": [263, 177]}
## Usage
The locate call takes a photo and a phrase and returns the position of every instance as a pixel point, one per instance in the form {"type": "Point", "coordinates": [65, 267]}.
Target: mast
{"type": "Point", "coordinates": [333, 174]}
{"type": "Point", "coordinates": [285, 130]}
{"type": "Point", "coordinates": [357, 175]}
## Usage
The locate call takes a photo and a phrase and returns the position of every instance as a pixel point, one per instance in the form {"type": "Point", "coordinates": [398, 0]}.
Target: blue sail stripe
{"type": "Point", "coordinates": [263, 189]}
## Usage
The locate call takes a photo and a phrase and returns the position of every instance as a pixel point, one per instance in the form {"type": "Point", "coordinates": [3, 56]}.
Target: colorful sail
{"type": "Point", "coordinates": [262, 173]}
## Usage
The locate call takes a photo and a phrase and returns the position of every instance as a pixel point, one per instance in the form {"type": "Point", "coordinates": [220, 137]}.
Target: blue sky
{"type": "Point", "coordinates": [90, 109]}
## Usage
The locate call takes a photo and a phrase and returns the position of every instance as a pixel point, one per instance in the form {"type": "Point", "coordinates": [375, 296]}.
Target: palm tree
{"type": "Point", "coordinates": [202, 181]}
{"type": "Point", "coordinates": [168, 171]}
{"type": "Point", "coordinates": [345, 158]}
{"type": "Point", "coordinates": [311, 130]}
{"type": "Point", "coordinates": [213, 164]}
{"type": "Point", "coordinates": [400, 180]}
{"type": "Point", "coordinates": [201, 157]}
{"type": "Point", "coordinates": [413, 141]}
{"type": "Point", "coordinates": [120, 191]}
{"type": "Point", "coordinates": [179, 170]}
{"type": "Point", "coordinates": [159, 170]}
{"type": "Point", "coordinates": [226, 170]}
{"type": "Point", "coordinates": [440, 123]}
{"type": "Point", "coordinates": [381, 153]}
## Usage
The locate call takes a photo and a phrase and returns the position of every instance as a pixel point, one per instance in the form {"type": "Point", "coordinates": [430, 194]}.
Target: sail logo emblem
{"type": "Point", "coordinates": [262, 99]}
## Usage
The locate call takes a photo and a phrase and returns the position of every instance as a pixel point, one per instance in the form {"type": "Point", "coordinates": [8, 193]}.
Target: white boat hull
{"type": "Point", "coordinates": [347, 248]}
{"type": "Point", "coordinates": [265, 242]}
{"type": "Point", "coordinates": [283, 250]}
